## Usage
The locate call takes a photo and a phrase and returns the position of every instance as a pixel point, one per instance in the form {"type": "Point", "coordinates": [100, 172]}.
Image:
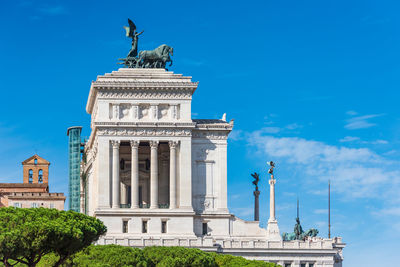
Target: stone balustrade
{"type": "Point", "coordinates": [224, 243]}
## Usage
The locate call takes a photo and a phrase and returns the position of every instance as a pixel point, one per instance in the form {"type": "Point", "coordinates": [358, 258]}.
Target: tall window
{"type": "Point", "coordinates": [144, 226]}
{"type": "Point", "coordinates": [30, 176]}
{"type": "Point", "coordinates": [34, 205]}
{"type": "Point", "coordinates": [51, 205]}
{"type": "Point", "coordinates": [17, 205]}
{"type": "Point", "coordinates": [35, 161]}
{"type": "Point", "coordinates": [124, 226]}
{"type": "Point", "coordinates": [205, 228]}
{"type": "Point", "coordinates": [163, 227]}
{"type": "Point", "coordinates": [40, 176]}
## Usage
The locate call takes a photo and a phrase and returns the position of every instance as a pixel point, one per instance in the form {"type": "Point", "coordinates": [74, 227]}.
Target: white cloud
{"type": "Point", "coordinates": [293, 126]}
{"type": "Point", "coordinates": [361, 122]}
{"type": "Point", "coordinates": [391, 211]}
{"type": "Point", "coordinates": [355, 172]}
{"type": "Point", "coordinates": [351, 113]}
{"type": "Point", "coordinates": [321, 211]}
{"type": "Point", "coordinates": [243, 212]}
{"type": "Point", "coordinates": [236, 135]}
{"type": "Point", "coordinates": [380, 142]}
{"type": "Point", "coordinates": [349, 139]}
{"type": "Point", "coordinates": [271, 130]}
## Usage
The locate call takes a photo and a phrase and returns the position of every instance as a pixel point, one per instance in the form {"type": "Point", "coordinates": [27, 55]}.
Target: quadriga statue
{"type": "Point", "coordinates": [157, 58]}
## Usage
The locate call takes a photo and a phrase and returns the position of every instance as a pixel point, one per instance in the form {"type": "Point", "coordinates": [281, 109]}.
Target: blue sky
{"type": "Point", "coordinates": [312, 85]}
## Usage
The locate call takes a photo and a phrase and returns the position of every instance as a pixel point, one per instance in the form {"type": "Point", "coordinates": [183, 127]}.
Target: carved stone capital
{"type": "Point", "coordinates": [115, 143]}
{"type": "Point", "coordinates": [173, 144]}
{"type": "Point", "coordinates": [135, 143]}
{"type": "Point", "coordinates": [154, 144]}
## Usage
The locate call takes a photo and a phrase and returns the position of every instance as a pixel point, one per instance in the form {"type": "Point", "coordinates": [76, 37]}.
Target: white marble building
{"type": "Point", "coordinates": [155, 176]}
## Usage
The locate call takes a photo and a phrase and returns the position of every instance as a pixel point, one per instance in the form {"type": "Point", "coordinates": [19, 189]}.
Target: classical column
{"type": "Point", "coordinates": [123, 194]}
{"type": "Point", "coordinates": [135, 174]}
{"type": "Point", "coordinates": [273, 233]}
{"type": "Point", "coordinates": [272, 182]}
{"type": "Point", "coordinates": [115, 174]}
{"type": "Point", "coordinates": [256, 205]}
{"type": "Point", "coordinates": [153, 174]}
{"type": "Point", "coordinates": [172, 174]}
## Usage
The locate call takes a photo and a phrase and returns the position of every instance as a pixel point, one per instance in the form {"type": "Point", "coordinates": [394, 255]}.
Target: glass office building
{"type": "Point", "coordinates": [74, 151]}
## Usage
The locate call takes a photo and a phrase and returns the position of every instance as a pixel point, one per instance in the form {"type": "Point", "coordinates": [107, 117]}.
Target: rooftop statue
{"type": "Point", "coordinates": [298, 233]}
{"type": "Point", "coordinates": [256, 180]}
{"type": "Point", "coordinates": [157, 58]}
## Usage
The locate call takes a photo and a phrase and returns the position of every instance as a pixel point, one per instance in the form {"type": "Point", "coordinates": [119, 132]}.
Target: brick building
{"type": "Point", "coordinates": [34, 191]}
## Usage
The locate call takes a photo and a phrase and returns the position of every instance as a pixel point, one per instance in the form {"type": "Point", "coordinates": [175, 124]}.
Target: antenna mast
{"type": "Point", "coordinates": [329, 208]}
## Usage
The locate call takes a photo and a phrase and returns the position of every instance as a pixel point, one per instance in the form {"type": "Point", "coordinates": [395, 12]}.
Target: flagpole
{"type": "Point", "coordinates": [329, 208]}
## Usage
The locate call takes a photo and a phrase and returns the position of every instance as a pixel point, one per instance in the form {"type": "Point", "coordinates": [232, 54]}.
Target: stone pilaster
{"type": "Point", "coordinates": [172, 174]}
{"type": "Point", "coordinates": [115, 174]}
{"type": "Point", "coordinates": [154, 174]}
{"type": "Point", "coordinates": [135, 174]}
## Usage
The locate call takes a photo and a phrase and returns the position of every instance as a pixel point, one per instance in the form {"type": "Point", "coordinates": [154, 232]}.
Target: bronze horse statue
{"type": "Point", "coordinates": [156, 58]}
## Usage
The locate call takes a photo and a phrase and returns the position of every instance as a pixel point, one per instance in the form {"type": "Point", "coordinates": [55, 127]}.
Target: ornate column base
{"type": "Point", "coordinates": [273, 233]}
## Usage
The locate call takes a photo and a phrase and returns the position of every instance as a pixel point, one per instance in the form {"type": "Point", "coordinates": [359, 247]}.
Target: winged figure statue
{"type": "Point", "coordinates": [256, 179]}
{"type": "Point", "coordinates": [156, 58]}
{"type": "Point", "coordinates": [131, 33]}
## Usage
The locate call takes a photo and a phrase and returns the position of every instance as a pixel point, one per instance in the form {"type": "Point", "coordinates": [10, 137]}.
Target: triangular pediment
{"type": "Point", "coordinates": [39, 159]}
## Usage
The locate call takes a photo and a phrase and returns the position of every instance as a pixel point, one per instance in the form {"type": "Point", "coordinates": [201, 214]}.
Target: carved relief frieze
{"type": "Point", "coordinates": [144, 111]}
{"type": "Point", "coordinates": [135, 111]}
{"type": "Point", "coordinates": [143, 132]}
{"type": "Point", "coordinates": [215, 135]}
{"type": "Point", "coordinates": [154, 112]}
{"type": "Point", "coordinates": [163, 111]}
{"type": "Point", "coordinates": [124, 110]}
{"type": "Point", "coordinates": [145, 94]}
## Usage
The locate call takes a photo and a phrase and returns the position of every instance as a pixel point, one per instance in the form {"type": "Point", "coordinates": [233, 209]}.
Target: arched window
{"type": "Point", "coordinates": [35, 161]}
{"type": "Point", "coordinates": [30, 176]}
{"type": "Point", "coordinates": [40, 176]}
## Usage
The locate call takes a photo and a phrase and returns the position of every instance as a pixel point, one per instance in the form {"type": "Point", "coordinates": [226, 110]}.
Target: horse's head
{"type": "Point", "coordinates": [312, 232]}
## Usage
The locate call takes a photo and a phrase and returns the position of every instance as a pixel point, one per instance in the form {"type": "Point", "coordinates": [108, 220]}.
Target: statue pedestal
{"type": "Point", "coordinates": [273, 233]}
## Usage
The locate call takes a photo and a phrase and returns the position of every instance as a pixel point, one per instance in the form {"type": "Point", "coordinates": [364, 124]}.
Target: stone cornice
{"type": "Point", "coordinates": [140, 84]}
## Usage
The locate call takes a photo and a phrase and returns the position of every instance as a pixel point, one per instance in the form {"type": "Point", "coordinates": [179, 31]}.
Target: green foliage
{"type": "Point", "coordinates": [225, 260]}
{"type": "Point", "coordinates": [28, 234]}
{"type": "Point", "coordinates": [109, 255]}
{"type": "Point", "coordinates": [178, 256]}
{"type": "Point", "coordinates": [119, 256]}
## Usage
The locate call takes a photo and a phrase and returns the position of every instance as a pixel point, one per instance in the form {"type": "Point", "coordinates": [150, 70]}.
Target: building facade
{"type": "Point", "coordinates": [155, 176]}
{"type": "Point", "coordinates": [34, 191]}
